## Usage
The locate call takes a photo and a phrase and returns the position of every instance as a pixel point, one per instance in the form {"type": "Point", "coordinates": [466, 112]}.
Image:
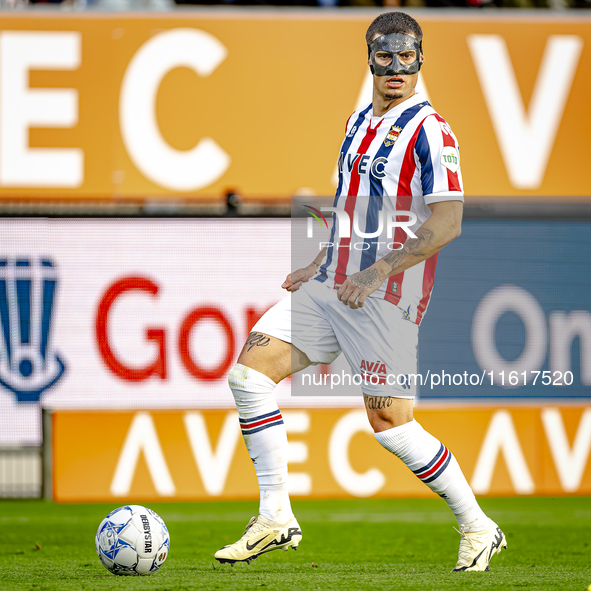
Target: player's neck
{"type": "Point", "coordinates": [382, 105]}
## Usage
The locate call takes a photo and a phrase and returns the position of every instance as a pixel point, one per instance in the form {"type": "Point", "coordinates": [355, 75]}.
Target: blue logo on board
{"type": "Point", "coordinates": [28, 363]}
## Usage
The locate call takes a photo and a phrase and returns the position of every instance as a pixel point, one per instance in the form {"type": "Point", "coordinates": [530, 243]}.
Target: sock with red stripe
{"type": "Point", "coordinates": [435, 465]}
{"type": "Point", "coordinates": [265, 437]}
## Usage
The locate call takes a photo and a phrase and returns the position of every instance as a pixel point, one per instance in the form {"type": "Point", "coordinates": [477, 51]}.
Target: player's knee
{"type": "Point", "coordinates": [249, 386]}
{"type": "Point", "coordinates": [237, 376]}
{"type": "Point", "coordinates": [380, 421]}
{"type": "Point", "coordinates": [387, 413]}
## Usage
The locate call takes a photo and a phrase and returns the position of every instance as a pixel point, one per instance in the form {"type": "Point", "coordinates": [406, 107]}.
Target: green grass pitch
{"type": "Point", "coordinates": [356, 544]}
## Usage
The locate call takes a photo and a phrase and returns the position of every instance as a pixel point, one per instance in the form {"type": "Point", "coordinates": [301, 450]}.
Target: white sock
{"type": "Point", "coordinates": [434, 464]}
{"type": "Point", "coordinates": [265, 437]}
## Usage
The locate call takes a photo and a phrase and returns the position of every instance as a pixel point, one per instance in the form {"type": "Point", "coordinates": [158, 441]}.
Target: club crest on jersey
{"type": "Point", "coordinates": [392, 135]}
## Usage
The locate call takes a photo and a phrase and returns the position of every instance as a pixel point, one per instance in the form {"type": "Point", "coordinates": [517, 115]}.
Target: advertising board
{"type": "Point", "coordinates": [200, 455]}
{"type": "Point", "coordinates": [151, 314]}
{"type": "Point", "coordinates": [167, 105]}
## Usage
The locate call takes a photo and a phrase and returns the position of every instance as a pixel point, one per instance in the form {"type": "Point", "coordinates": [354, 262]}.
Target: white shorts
{"type": "Point", "coordinates": [378, 342]}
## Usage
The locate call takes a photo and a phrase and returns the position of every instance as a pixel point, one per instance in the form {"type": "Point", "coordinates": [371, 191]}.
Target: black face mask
{"type": "Point", "coordinates": [394, 44]}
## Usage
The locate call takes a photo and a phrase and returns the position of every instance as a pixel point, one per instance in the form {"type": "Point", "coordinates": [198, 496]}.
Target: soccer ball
{"type": "Point", "coordinates": [132, 540]}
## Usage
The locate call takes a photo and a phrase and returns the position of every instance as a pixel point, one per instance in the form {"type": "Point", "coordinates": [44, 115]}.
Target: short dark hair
{"type": "Point", "coordinates": [394, 22]}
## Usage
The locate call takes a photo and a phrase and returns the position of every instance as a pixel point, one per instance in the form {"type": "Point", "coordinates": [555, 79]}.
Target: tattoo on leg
{"type": "Point", "coordinates": [257, 339]}
{"type": "Point", "coordinates": [377, 402]}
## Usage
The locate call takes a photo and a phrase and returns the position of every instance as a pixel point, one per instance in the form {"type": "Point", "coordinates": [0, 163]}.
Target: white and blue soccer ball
{"type": "Point", "coordinates": [132, 540]}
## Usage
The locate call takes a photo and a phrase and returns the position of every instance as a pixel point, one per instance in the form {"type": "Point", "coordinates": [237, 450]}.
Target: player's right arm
{"type": "Point", "coordinates": [442, 226]}
{"type": "Point", "coordinates": [294, 280]}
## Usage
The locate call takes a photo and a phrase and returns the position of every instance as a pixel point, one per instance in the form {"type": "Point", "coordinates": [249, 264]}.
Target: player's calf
{"type": "Point", "coordinates": [434, 465]}
{"type": "Point", "coordinates": [265, 437]}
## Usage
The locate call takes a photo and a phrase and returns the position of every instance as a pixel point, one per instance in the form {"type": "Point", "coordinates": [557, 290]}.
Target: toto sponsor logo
{"type": "Point", "coordinates": [28, 363]}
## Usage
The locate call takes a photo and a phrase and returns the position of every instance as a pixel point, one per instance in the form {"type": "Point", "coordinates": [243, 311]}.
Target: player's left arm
{"type": "Point", "coordinates": [442, 226]}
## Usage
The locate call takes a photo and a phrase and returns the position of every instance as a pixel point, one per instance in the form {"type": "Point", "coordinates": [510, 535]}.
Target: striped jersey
{"type": "Point", "coordinates": [403, 161]}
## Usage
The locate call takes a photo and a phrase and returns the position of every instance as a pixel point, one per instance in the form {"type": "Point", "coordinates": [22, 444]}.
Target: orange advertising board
{"type": "Point", "coordinates": [190, 104]}
{"type": "Point", "coordinates": [200, 455]}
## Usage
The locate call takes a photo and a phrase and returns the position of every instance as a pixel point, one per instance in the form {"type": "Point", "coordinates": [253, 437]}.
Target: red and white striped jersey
{"type": "Point", "coordinates": [403, 161]}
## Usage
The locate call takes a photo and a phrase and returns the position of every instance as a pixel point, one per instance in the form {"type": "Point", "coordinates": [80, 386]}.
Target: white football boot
{"type": "Point", "coordinates": [476, 549]}
{"type": "Point", "coordinates": [261, 536]}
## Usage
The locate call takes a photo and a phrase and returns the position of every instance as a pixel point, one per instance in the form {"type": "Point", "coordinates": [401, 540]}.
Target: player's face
{"type": "Point", "coordinates": [397, 86]}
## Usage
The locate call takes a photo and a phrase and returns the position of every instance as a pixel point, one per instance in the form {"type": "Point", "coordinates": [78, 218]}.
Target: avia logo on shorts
{"type": "Point", "coordinates": [373, 372]}
{"type": "Point", "coordinates": [28, 364]}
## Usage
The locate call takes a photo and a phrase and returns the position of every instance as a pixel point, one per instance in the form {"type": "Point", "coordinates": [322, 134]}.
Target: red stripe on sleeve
{"type": "Point", "coordinates": [448, 140]}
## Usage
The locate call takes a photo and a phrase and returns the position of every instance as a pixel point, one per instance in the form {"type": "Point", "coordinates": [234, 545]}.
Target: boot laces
{"type": "Point", "coordinates": [467, 546]}
{"type": "Point", "coordinates": [253, 527]}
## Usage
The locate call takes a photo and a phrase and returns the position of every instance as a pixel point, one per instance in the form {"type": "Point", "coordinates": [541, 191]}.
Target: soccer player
{"type": "Point", "coordinates": [398, 154]}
